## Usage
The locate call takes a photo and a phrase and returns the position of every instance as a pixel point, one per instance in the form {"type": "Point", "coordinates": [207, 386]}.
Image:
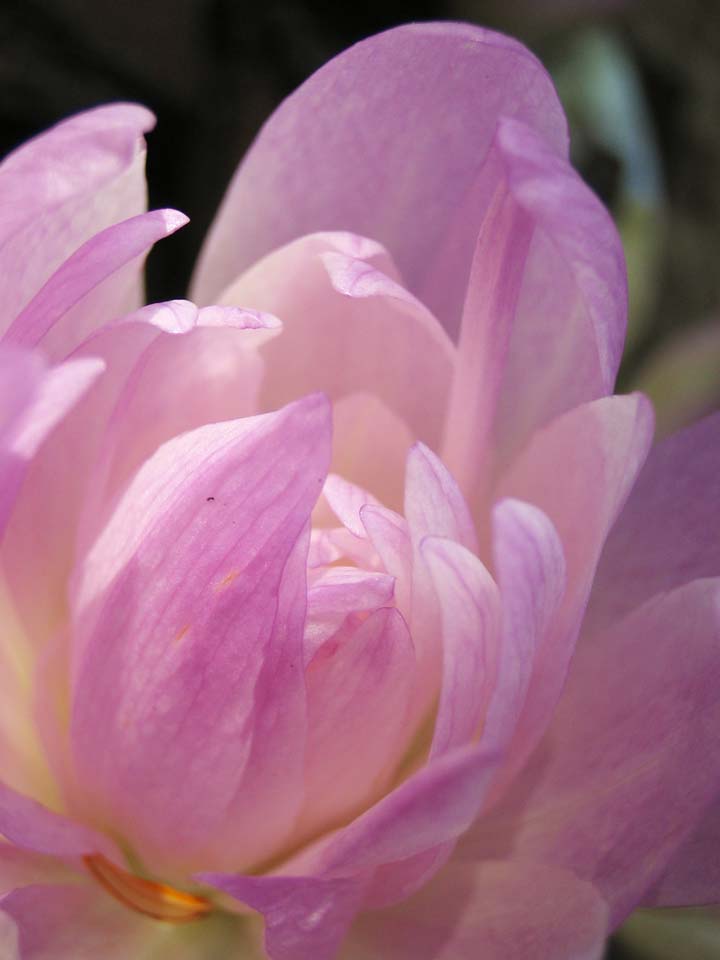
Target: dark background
{"type": "Point", "coordinates": [212, 70]}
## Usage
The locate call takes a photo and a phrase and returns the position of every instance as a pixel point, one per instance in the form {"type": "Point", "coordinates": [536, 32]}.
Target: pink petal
{"type": "Point", "coordinates": [389, 536]}
{"type": "Point", "coordinates": [547, 295]}
{"type": "Point", "coordinates": [693, 875]}
{"type": "Point", "coordinates": [629, 764]}
{"type": "Point", "coordinates": [444, 87]}
{"type": "Point", "coordinates": [495, 911]}
{"type": "Point", "coordinates": [667, 533]}
{"type": "Point", "coordinates": [61, 188]}
{"type": "Point", "coordinates": [23, 868]}
{"type": "Point", "coordinates": [434, 505]}
{"type": "Point", "coordinates": [358, 703]}
{"type": "Point", "coordinates": [603, 445]}
{"type": "Point", "coordinates": [371, 446]}
{"type": "Point", "coordinates": [194, 596]}
{"type": "Point", "coordinates": [530, 565]}
{"type": "Point", "coordinates": [107, 268]}
{"type": "Point", "coordinates": [334, 595]}
{"type": "Point", "coordinates": [9, 945]}
{"type": "Point", "coordinates": [168, 370]}
{"type": "Point", "coordinates": [345, 339]}
{"type": "Point", "coordinates": [470, 608]}
{"type": "Point", "coordinates": [304, 916]}
{"type": "Point", "coordinates": [52, 395]}
{"type": "Point", "coordinates": [31, 826]}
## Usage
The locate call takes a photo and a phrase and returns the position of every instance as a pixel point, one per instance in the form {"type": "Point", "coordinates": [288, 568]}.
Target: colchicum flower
{"type": "Point", "coordinates": [346, 614]}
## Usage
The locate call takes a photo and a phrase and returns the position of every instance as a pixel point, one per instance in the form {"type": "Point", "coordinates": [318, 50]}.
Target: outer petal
{"type": "Point", "coordinates": [31, 826]}
{"type": "Point", "coordinates": [495, 910]}
{"type": "Point", "coordinates": [602, 446]}
{"type": "Point", "coordinates": [106, 267]}
{"type": "Point", "coordinates": [22, 868]}
{"type": "Point", "coordinates": [347, 329]}
{"type": "Point", "coordinates": [310, 909]}
{"type": "Point", "coordinates": [188, 709]}
{"type": "Point", "coordinates": [693, 876]}
{"type": "Point", "coordinates": [667, 534]}
{"type": "Point", "coordinates": [168, 370]}
{"type": "Point", "coordinates": [63, 187]}
{"type": "Point", "coordinates": [545, 312]}
{"type": "Point", "coordinates": [629, 764]}
{"type": "Point", "coordinates": [430, 91]}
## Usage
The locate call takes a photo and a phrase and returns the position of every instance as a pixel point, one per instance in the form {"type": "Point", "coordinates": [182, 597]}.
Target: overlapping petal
{"type": "Point", "coordinates": [189, 705]}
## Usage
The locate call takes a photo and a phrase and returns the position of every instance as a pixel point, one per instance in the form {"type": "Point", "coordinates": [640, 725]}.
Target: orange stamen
{"type": "Point", "coordinates": [152, 899]}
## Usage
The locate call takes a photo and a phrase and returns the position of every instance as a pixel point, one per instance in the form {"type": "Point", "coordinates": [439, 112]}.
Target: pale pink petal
{"type": "Point", "coordinates": [31, 826]}
{"type": "Point", "coordinates": [630, 762]}
{"type": "Point", "coordinates": [346, 500]}
{"type": "Point", "coordinates": [495, 911]}
{"type": "Point", "coordinates": [545, 311]}
{"type": "Point", "coordinates": [530, 567]}
{"type": "Point", "coordinates": [579, 471]}
{"type": "Point", "coordinates": [434, 505]}
{"type": "Point", "coordinates": [336, 593]}
{"type": "Point", "coordinates": [443, 88]}
{"type": "Point", "coordinates": [693, 875]}
{"type": "Point", "coordinates": [107, 266]}
{"type": "Point", "coordinates": [61, 188]}
{"type": "Point", "coordinates": [304, 916]}
{"type": "Point", "coordinates": [667, 534]}
{"type": "Point", "coordinates": [470, 615]}
{"type": "Point", "coordinates": [370, 446]}
{"type": "Point", "coordinates": [55, 391]}
{"type": "Point", "coordinates": [390, 538]}
{"type": "Point", "coordinates": [359, 695]}
{"type": "Point", "coordinates": [345, 339]}
{"type": "Point", "coordinates": [194, 596]}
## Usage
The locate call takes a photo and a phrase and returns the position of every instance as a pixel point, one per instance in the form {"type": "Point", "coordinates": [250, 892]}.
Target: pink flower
{"type": "Point", "coordinates": [382, 626]}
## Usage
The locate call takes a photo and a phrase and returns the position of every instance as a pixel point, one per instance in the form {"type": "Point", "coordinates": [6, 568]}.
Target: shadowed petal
{"type": "Point", "coordinates": [494, 911]}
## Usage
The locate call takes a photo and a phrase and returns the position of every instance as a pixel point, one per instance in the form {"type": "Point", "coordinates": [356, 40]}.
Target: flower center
{"type": "Point", "coordinates": [152, 899]}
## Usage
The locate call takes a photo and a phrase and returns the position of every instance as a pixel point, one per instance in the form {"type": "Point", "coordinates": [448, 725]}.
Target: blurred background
{"type": "Point", "coordinates": [640, 80]}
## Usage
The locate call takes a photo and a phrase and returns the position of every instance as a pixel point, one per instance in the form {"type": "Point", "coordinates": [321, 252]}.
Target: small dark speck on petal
{"type": "Point", "coordinates": [208, 499]}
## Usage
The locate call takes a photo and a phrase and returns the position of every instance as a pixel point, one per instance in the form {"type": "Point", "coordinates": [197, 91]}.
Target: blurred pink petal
{"type": "Point", "coordinates": [693, 875]}
{"type": "Point", "coordinates": [667, 534]}
{"type": "Point", "coordinates": [494, 910]}
{"type": "Point", "coordinates": [615, 787]}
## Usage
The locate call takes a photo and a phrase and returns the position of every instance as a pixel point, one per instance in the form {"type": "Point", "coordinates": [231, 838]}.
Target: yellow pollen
{"type": "Point", "coordinates": [152, 899]}
{"type": "Point", "coordinates": [181, 634]}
